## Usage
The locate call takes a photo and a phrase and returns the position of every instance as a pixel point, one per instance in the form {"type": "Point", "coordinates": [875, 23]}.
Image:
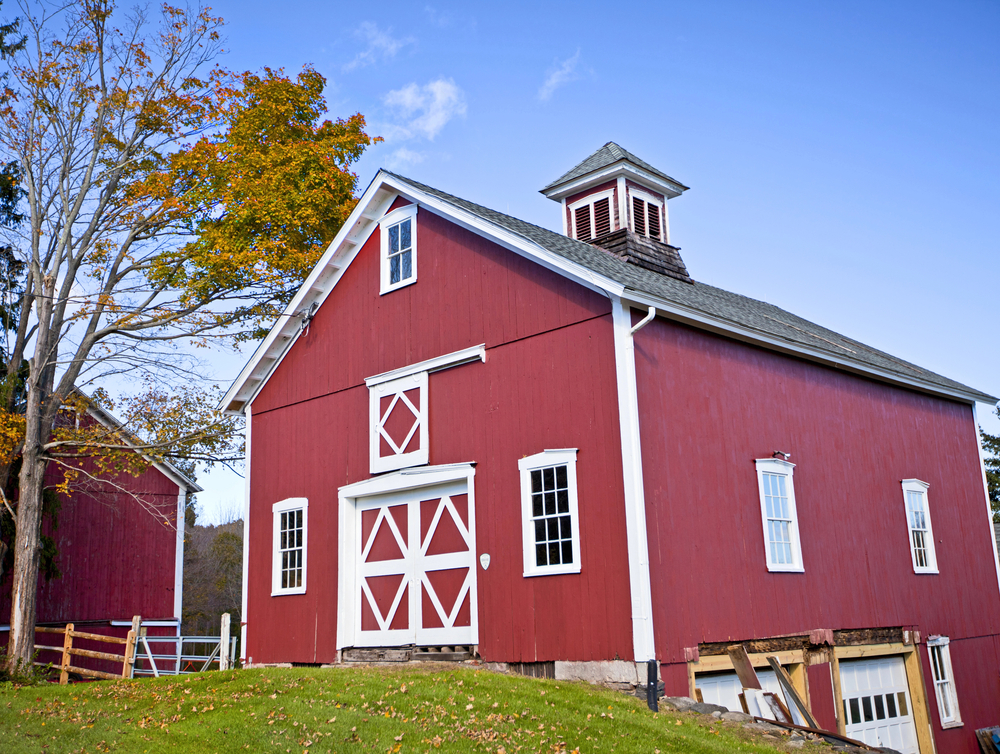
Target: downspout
{"type": "Point", "coordinates": [640, 587]}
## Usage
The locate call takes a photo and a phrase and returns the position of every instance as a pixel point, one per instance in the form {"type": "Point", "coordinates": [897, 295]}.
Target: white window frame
{"type": "Point", "coordinates": [397, 387]}
{"type": "Point", "coordinates": [781, 468]}
{"type": "Point", "coordinates": [563, 457]}
{"type": "Point", "coordinates": [943, 678]}
{"type": "Point", "coordinates": [916, 486]}
{"type": "Point", "coordinates": [590, 200]}
{"type": "Point", "coordinates": [285, 506]}
{"type": "Point", "coordinates": [649, 199]}
{"type": "Point", "coordinates": [394, 218]}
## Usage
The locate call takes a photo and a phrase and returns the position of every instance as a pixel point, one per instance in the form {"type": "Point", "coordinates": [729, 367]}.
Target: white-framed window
{"type": "Point", "coordinates": [398, 415]}
{"type": "Point", "coordinates": [647, 214]}
{"type": "Point", "coordinates": [777, 509]}
{"type": "Point", "coordinates": [399, 248]}
{"type": "Point", "coordinates": [288, 558]}
{"type": "Point", "coordinates": [550, 518]}
{"type": "Point", "coordinates": [918, 521]}
{"type": "Point", "coordinates": [944, 681]}
{"type": "Point", "coordinates": [592, 216]}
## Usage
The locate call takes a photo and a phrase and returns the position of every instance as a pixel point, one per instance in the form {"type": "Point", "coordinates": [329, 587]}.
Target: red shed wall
{"type": "Point", "coordinates": [548, 382]}
{"type": "Point", "coordinates": [709, 406]}
{"type": "Point", "coordinates": [117, 559]}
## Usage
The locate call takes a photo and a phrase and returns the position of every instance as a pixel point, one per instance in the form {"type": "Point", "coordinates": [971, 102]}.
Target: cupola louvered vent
{"type": "Point", "coordinates": [602, 217]}
{"type": "Point", "coordinates": [646, 216]}
{"type": "Point", "coordinates": [639, 215]}
{"type": "Point", "coordinates": [592, 220]}
{"type": "Point", "coordinates": [583, 225]}
{"type": "Point", "coordinates": [653, 220]}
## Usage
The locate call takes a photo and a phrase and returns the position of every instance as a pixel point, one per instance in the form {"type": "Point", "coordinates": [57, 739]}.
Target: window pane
{"type": "Point", "coordinates": [562, 497]}
{"type": "Point", "coordinates": [284, 579]}
{"type": "Point", "coordinates": [550, 503]}
{"type": "Point", "coordinates": [284, 540]}
{"type": "Point", "coordinates": [567, 552]}
{"type": "Point", "coordinates": [539, 531]}
{"type": "Point", "coordinates": [298, 518]}
{"type": "Point", "coordinates": [866, 703]}
{"type": "Point", "coordinates": [536, 505]}
{"type": "Point", "coordinates": [553, 527]}
{"type": "Point", "coordinates": [901, 698]}
{"type": "Point", "coordinates": [541, 558]}
{"type": "Point", "coordinates": [554, 554]}
{"type": "Point", "coordinates": [890, 702]}
{"type": "Point", "coordinates": [394, 269]}
{"type": "Point", "coordinates": [393, 239]}
{"type": "Point", "coordinates": [564, 527]}
{"type": "Point", "coordinates": [536, 481]}
{"type": "Point", "coordinates": [880, 707]}
{"type": "Point", "coordinates": [407, 271]}
{"type": "Point", "coordinates": [855, 712]}
{"type": "Point", "coordinates": [548, 476]}
{"type": "Point", "coordinates": [561, 477]}
{"type": "Point", "coordinates": [404, 234]}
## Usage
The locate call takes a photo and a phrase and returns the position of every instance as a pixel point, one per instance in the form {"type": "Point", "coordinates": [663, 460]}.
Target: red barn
{"type": "Point", "coordinates": [120, 550]}
{"type": "Point", "coordinates": [562, 453]}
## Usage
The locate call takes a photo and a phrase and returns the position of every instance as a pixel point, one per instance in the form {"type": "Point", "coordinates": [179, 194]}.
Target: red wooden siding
{"type": "Point", "coordinates": [548, 382]}
{"type": "Point", "coordinates": [709, 406]}
{"type": "Point", "coordinates": [117, 560]}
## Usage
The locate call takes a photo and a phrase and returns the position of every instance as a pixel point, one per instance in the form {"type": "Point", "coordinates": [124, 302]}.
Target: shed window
{"type": "Point", "coordinates": [288, 565]}
{"type": "Point", "coordinates": [918, 521]}
{"type": "Point", "coordinates": [783, 550]}
{"type": "Point", "coordinates": [550, 517]}
{"type": "Point", "coordinates": [944, 682]}
{"type": "Point", "coordinates": [399, 248]}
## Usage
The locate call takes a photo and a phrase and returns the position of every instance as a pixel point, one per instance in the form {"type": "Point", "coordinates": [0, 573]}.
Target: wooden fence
{"type": "Point", "coordinates": [69, 651]}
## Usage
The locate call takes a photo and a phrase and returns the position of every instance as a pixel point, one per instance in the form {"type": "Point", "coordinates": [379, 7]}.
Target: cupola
{"type": "Point", "coordinates": [618, 202]}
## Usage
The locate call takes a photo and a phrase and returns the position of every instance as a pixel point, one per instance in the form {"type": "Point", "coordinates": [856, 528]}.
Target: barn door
{"type": "Point", "coordinates": [415, 564]}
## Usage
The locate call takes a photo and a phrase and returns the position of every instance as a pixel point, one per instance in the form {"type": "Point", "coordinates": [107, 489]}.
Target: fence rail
{"type": "Point", "coordinates": [69, 651]}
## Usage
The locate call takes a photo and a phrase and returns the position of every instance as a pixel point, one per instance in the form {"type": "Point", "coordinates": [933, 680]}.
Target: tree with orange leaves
{"type": "Point", "coordinates": [166, 201]}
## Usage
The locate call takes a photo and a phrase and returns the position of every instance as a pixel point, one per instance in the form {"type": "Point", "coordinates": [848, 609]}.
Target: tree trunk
{"type": "Point", "coordinates": [27, 544]}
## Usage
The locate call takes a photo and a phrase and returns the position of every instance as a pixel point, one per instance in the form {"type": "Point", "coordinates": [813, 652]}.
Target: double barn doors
{"type": "Point", "coordinates": [415, 568]}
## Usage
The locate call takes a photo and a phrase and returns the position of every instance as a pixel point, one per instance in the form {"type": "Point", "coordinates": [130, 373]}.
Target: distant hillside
{"type": "Point", "coordinates": [213, 577]}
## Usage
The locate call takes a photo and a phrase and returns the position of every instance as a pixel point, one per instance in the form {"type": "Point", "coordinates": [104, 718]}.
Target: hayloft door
{"type": "Point", "coordinates": [415, 567]}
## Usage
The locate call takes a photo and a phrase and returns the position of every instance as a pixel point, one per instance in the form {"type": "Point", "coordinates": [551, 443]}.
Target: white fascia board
{"type": "Point", "coordinates": [179, 555]}
{"type": "Point", "coordinates": [704, 321]}
{"type": "Point", "coordinates": [328, 271]}
{"type": "Point", "coordinates": [466, 355]}
{"type": "Point", "coordinates": [670, 189]}
{"type": "Point", "coordinates": [324, 277]}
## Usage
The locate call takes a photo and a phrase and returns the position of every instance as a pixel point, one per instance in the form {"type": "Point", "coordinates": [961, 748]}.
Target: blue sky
{"type": "Point", "coordinates": [843, 158]}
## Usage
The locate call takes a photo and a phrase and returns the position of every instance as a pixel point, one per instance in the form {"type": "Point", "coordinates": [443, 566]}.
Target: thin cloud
{"type": "Point", "coordinates": [562, 74]}
{"type": "Point", "coordinates": [425, 109]}
{"type": "Point", "coordinates": [403, 157]}
{"type": "Point", "coordinates": [381, 45]}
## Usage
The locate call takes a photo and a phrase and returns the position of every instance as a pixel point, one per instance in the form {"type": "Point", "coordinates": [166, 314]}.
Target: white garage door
{"type": "Point", "coordinates": [724, 688]}
{"type": "Point", "coordinates": [877, 707]}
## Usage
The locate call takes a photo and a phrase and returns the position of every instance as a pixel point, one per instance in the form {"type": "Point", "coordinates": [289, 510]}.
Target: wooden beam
{"type": "Point", "coordinates": [743, 667]}
{"type": "Point", "coordinates": [918, 700]}
{"type": "Point", "coordinates": [838, 694]}
{"type": "Point", "coordinates": [67, 646]}
{"type": "Point", "coordinates": [791, 693]}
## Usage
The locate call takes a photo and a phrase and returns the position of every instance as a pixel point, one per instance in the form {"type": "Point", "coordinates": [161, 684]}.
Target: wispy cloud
{"type": "Point", "coordinates": [425, 109]}
{"type": "Point", "coordinates": [403, 157]}
{"type": "Point", "coordinates": [562, 74]}
{"type": "Point", "coordinates": [381, 45]}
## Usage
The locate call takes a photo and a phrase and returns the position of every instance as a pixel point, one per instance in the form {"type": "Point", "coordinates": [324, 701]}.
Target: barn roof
{"type": "Point", "coordinates": [697, 304]}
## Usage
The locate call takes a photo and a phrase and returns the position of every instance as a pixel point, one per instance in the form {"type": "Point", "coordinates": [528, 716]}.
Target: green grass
{"type": "Point", "coordinates": [349, 710]}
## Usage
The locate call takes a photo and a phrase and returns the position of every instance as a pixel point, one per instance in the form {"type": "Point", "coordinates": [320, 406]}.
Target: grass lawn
{"type": "Point", "coordinates": [308, 710]}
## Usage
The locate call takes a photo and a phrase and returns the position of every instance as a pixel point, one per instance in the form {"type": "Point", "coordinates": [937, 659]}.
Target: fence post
{"type": "Point", "coordinates": [128, 667]}
{"type": "Point", "coordinates": [67, 646]}
{"type": "Point", "coordinates": [224, 643]}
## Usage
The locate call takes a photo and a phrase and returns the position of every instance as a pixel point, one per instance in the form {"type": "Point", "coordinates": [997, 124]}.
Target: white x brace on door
{"type": "Point", "coordinates": [412, 553]}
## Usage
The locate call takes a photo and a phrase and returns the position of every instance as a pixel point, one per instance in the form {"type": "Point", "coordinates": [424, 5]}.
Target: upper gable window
{"type": "Point", "coordinates": [592, 215]}
{"type": "Point", "coordinates": [777, 510]}
{"type": "Point", "coordinates": [647, 212]}
{"type": "Point", "coordinates": [399, 248]}
{"type": "Point", "coordinates": [918, 520]}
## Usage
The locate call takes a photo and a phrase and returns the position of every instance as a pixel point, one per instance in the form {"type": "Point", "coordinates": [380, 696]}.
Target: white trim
{"type": "Point", "coordinates": [454, 359]}
{"type": "Point", "coordinates": [246, 540]}
{"type": "Point", "coordinates": [565, 221]}
{"type": "Point", "coordinates": [179, 554]}
{"type": "Point", "coordinates": [622, 190]}
{"type": "Point", "coordinates": [942, 644]}
{"type": "Point", "coordinates": [640, 589]}
{"type": "Point", "coordinates": [404, 481]}
{"type": "Point", "coordinates": [398, 215]}
{"type": "Point", "coordinates": [986, 492]}
{"type": "Point", "coordinates": [284, 506]}
{"type": "Point", "coordinates": [398, 388]}
{"type": "Point", "coordinates": [668, 188]}
{"type": "Point", "coordinates": [546, 459]}
{"type": "Point", "coordinates": [778, 467]}
{"type": "Point", "coordinates": [918, 487]}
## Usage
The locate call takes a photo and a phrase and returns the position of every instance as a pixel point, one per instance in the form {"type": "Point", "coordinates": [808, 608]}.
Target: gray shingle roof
{"type": "Point", "coordinates": [609, 154]}
{"type": "Point", "coordinates": [740, 311]}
